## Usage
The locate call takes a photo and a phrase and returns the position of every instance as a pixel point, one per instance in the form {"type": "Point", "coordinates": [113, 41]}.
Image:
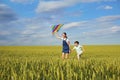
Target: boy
{"type": "Point", "coordinates": [79, 49]}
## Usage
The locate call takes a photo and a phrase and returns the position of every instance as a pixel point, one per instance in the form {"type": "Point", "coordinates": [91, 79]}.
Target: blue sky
{"type": "Point", "coordinates": [27, 22]}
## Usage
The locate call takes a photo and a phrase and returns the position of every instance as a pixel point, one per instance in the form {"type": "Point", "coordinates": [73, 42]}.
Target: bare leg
{"type": "Point", "coordinates": [63, 55]}
{"type": "Point", "coordinates": [66, 55]}
{"type": "Point", "coordinates": [78, 56]}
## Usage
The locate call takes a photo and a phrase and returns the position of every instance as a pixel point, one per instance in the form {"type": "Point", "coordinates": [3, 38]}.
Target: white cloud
{"type": "Point", "coordinates": [106, 7]}
{"type": "Point", "coordinates": [108, 18]}
{"type": "Point", "coordinates": [102, 32]}
{"type": "Point", "coordinates": [51, 5]}
{"type": "Point", "coordinates": [115, 29]}
{"type": "Point", "coordinates": [22, 1]}
{"type": "Point", "coordinates": [45, 6]}
{"type": "Point", "coordinates": [37, 30]}
{"type": "Point", "coordinates": [4, 33]}
{"type": "Point", "coordinates": [27, 32]}
{"type": "Point", "coordinates": [40, 35]}
{"type": "Point", "coordinates": [74, 24]}
{"type": "Point", "coordinates": [7, 14]}
{"type": "Point", "coordinates": [101, 21]}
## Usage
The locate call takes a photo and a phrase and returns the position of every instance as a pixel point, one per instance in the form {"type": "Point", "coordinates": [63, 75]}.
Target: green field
{"type": "Point", "coordinates": [45, 63]}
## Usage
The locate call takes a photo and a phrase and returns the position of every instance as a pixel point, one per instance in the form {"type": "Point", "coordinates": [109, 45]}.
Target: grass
{"type": "Point", "coordinates": [45, 63]}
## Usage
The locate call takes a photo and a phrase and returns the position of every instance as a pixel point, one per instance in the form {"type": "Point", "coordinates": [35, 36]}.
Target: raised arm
{"type": "Point", "coordinates": [57, 35]}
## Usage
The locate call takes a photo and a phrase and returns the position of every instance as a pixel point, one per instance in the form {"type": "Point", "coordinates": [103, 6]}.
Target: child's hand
{"type": "Point", "coordinates": [69, 51]}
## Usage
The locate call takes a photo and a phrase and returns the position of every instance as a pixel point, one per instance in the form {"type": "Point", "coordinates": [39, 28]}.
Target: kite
{"type": "Point", "coordinates": [56, 28]}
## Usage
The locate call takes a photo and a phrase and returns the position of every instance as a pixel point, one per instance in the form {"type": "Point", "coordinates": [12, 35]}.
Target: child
{"type": "Point", "coordinates": [79, 49]}
{"type": "Point", "coordinates": [65, 45]}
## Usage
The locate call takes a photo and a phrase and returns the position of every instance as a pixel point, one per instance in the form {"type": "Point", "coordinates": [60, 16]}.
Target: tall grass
{"type": "Point", "coordinates": [45, 63]}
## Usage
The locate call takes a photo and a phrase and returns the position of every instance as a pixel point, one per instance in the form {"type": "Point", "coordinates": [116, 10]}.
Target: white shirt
{"type": "Point", "coordinates": [66, 39]}
{"type": "Point", "coordinates": [78, 49]}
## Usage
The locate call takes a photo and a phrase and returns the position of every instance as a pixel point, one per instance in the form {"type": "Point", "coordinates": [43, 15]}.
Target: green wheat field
{"type": "Point", "coordinates": [45, 63]}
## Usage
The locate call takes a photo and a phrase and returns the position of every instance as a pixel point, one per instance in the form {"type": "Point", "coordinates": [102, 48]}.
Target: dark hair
{"type": "Point", "coordinates": [76, 42]}
{"type": "Point", "coordinates": [65, 34]}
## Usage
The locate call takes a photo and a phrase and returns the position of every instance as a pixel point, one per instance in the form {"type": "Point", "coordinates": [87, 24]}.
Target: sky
{"type": "Point", "coordinates": [28, 22]}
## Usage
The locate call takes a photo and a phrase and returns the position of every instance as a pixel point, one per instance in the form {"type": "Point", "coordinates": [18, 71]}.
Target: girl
{"type": "Point", "coordinates": [65, 45]}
